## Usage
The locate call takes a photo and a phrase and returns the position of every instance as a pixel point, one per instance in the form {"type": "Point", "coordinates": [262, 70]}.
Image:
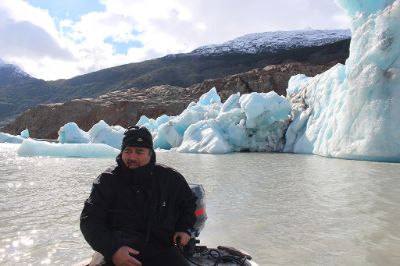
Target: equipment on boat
{"type": "Point", "coordinates": [202, 255]}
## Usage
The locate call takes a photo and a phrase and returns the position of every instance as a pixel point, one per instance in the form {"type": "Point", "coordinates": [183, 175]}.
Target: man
{"type": "Point", "coordinates": [138, 210]}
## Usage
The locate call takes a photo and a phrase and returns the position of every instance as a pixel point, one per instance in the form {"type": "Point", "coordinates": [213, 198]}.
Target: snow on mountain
{"type": "Point", "coordinates": [273, 41]}
{"type": "Point", "coordinates": [14, 70]}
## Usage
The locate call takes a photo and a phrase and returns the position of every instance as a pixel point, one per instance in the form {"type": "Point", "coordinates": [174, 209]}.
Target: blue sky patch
{"type": "Point", "coordinates": [122, 47]}
{"type": "Point", "coordinates": [68, 9]}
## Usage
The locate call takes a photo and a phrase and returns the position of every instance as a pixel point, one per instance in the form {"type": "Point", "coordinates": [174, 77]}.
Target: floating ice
{"type": "Point", "coordinates": [8, 138]}
{"type": "Point", "coordinates": [31, 147]}
{"type": "Point", "coordinates": [251, 122]}
{"type": "Point", "coordinates": [205, 137]}
{"type": "Point", "coordinates": [25, 134]}
{"type": "Point", "coordinates": [152, 124]}
{"type": "Point", "coordinates": [103, 133]}
{"type": "Point", "coordinates": [101, 140]}
{"type": "Point", "coordinates": [99, 133]}
{"type": "Point", "coordinates": [71, 133]}
{"type": "Point", "coordinates": [169, 134]}
{"type": "Point", "coordinates": [352, 111]}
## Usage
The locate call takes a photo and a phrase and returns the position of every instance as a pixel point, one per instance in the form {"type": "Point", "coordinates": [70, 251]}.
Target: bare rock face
{"type": "Point", "coordinates": [125, 107]}
{"type": "Point", "coordinates": [270, 78]}
{"type": "Point", "coordinates": [116, 108]}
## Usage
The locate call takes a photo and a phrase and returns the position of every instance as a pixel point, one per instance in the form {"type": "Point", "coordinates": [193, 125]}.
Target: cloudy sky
{"type": "Point", "coordinates": [53, 39]}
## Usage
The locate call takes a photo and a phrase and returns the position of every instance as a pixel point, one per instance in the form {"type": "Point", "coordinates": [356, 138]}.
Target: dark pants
{"type": "Point", "coordinates": [170, 256]}
{"type": "Point", "coordinates": [159, 256]}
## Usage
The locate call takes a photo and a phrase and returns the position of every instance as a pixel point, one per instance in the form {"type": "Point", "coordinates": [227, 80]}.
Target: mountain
{"type": "Point", "coordinates": [19, 91]}
{"type": "Point", "coordinates": [11, 74]}
{"type": "Point", "coordinates": [274, 41]}
{"type": "Point", "coordinates": [182, 70]}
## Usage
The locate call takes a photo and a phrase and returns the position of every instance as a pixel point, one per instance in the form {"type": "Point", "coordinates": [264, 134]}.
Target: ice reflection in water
{"type": "Point", "coordinates": [284, 209]}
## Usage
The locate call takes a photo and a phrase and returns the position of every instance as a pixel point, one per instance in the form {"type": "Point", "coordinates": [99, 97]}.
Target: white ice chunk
{"type": "Point", "coordinates": [296, 84]}
{"type": "Point", "coordinates": [101, 132]}
{"type": "Point", "coordinates": [263, 109]}
{"type": "Point", "coordinates": [204, 137]}
{"type": "Point", "coordinates": [25, 134]}
{"type": "Point", "coordinates": [251, 122]}
{"type": "Point", "coordinates": [8, 138]}
{"type": "Point", "coordinates": [168, 131]}
{"type": "Point", "coordinates": [167, 136]}
{"type": "Point", "coordinates": [153, 124]}
{"type": "Point", "coordinates": [71, 133]}
{"type": "Point", "coordinates": [211, 97]}
{"type": "Point", "coordinates": [31, 147]}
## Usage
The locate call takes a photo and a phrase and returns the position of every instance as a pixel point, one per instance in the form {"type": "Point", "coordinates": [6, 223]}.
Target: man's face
{"type": "Point", "coordinates": [134, 157]}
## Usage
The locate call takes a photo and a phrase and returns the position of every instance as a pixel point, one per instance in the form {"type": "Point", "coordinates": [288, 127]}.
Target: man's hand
{"type": "Point", "coordinates": [123, 257]}
{"type": "Point", "coordinates": [183, 238]}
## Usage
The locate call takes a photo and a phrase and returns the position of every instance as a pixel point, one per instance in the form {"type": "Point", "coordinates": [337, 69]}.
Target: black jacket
{"type": "Point", "coordinates": [136, 207]}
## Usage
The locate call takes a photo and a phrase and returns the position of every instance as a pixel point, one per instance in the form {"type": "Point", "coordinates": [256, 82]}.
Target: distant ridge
{"type": "Point", "coordinates": [273, 41]}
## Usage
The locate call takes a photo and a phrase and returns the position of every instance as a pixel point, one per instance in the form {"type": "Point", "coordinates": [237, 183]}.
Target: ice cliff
{"type": "Point", "coordinates": [353, 110]}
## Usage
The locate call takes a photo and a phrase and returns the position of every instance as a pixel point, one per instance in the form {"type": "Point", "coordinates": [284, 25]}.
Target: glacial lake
{"type": "Point", "coordinates": [283, 209]}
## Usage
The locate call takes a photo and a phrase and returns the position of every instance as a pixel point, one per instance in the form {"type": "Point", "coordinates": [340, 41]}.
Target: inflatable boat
{"type": "Point", "coordinates": [195, 254]}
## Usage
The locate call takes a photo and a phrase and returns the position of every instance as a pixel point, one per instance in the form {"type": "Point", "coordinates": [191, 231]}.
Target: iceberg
{"type": "Point", "coordinates": [30, 147]}
{"type": "Point", "coordinates": [71, 133]}
{"type": "Point", "coordinates": [152, 124]}
{"type": "Point", "coordinates": [8, 138]}
{"type": "Point", "coordinates": [205, 137]}
{"type": "Point", "coordinates": [25, 134]}
{"type": "Point", "coordinates": [169, 134]}
{"type": "Point", "coordinates": [101, 140]}
{"type": "Point", "coordinates": [352, 110]}
{"type": "Point", "coordinates": [103, 133]}
{"type": "Point", "coordinates": [248, 122]}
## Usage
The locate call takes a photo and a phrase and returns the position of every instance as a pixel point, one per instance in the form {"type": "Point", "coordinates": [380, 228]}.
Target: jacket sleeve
{"type": "Point", "coordinates": [94, 217]}
{"type": "Point", "coordinates": [187, 207]}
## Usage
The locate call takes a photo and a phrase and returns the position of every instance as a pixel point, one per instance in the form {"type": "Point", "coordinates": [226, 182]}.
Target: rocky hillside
{"type": "Point", "coordinates": [125, 107]}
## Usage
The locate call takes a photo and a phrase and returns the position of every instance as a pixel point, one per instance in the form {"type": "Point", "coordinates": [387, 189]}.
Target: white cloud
{"type": "Point", "coordinates": [30, 38]}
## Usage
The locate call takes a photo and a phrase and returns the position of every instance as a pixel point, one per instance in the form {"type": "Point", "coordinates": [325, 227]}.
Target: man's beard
{"type": "Point", "coordinates": [133, 164]}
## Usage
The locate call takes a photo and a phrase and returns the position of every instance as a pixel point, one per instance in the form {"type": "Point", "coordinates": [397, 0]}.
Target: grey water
{"type": "Point", "coordinates": [283, 209]}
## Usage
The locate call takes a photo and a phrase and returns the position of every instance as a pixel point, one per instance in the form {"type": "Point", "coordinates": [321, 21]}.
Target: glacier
{"type": "Point", "coordinates": [352, 111]}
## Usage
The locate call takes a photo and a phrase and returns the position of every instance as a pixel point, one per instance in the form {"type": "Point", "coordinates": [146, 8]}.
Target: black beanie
{"type": "Point", "coordinates": [137, 136]}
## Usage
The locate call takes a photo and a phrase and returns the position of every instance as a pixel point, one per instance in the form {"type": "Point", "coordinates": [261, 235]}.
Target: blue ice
{"type": "Point", "coordinates": [30, 147]}
{"type": "Point", "coordinates": [248, 122]}
{"type": "Point", "coordinates": [8, 138]}
{"type": "Point", "coordinates": [101, 140]}
{"type": "Point", "coordinates": [352, 111]}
